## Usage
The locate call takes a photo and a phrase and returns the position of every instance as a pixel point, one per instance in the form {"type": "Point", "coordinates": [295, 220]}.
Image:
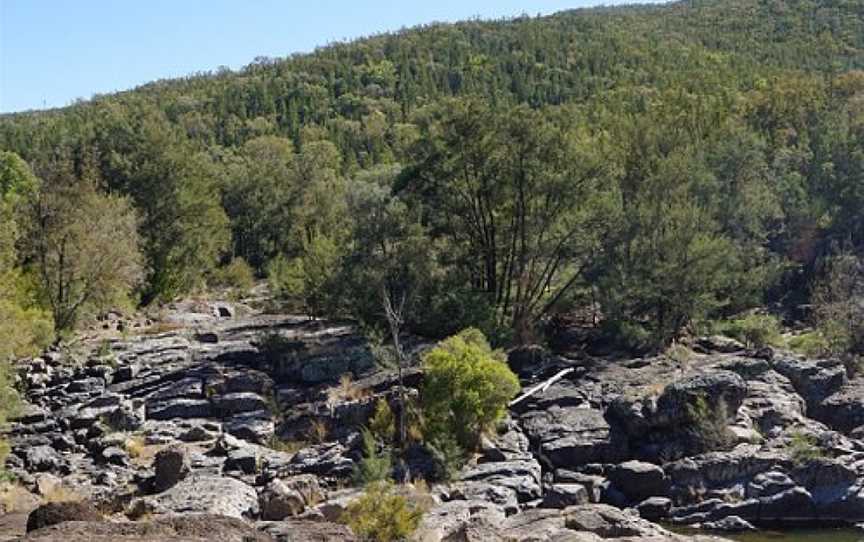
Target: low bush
{"type": "Point", "coordinates": [803, 448]}
{"type": "Point", "coordinates": [376, 466]}
{"type": "Point", "coordinates": [382, 514]}
{"type": "Point", "coordinates": [237, 275]}
{"type": "Point", "coordinates": [707, 426]}
{"type": "Point", "coordinates": [449, 457]}
{"type": "Point", "coordinates": [383, 422]}
{"type": "Point", "coordinates": [754, 330]}
{"type": "Point", "coordinates": [466, 388]}
{"type": "Point", "coordinates": [811, 344]}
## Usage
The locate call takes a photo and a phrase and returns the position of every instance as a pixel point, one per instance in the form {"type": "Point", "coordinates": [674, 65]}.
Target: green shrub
{"type": "Point", "coordinates": [383, 422]}
{"type": "Point", "coordinates": [707, 426]}
{"type": "Point", "coordinates": [631, 336]}
{"type": "Point", "coordinates": [466, 389]}
{"type": "Point", "coordinates": [803, 448]}
{"type": "Point", "coordinates": [382, 515]}
{"type": "Point", "coordinates": [754, 330]}
{"type": "Point", "coordinates": [811, 344]}
{"type": "Point", "coordinates": [375, 466]}
{"type": "Point", "coordinates": [448, 455]}
{"type": "Point", "coordinates": [284, 277]}
{"type": "Point", "coordinates": [237, 275]}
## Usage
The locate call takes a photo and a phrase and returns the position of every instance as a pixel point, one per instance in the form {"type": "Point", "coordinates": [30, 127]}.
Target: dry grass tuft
{"type": "Point", "coordinates": [318, 431]}
{"type": "Point", "coordinates": [347, 390]}
{"type": "Point", "coordinates": [287, 446]}
{"type": "Point", "coordinates": [135, 447]}
{"type": "Point", "coordinates": [61, 493]}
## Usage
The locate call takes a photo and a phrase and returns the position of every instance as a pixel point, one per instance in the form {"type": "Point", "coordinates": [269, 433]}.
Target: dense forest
{"type": "Point", "coordinates": [649, 169]}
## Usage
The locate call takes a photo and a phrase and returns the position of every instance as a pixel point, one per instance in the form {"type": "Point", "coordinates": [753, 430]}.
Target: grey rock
{"type": "Point", "coordinates": [234, 403]}
{"type": "Point", "coordinates": [256, 426]}
{"type": "Point", "coordinates": [729, 524]}
{"type": "Point", "coordinates": [609, 522]}
{"type": "Point", "coordinates": [717, 344]}
{"type": "Point", "coordinates": [289, 497]}
{"type": "Point", "coordinates": [504, 497]}
{"type": "Point", "coordinates": [86, 385]}
{"type": "Point", "coordinates": [523, 477]}
{"type": "Point", "coordinates": [210, 495]}
{"type": "Point", "coordinates": [714, 387]}
{"type": "Point", "coordinates": [572, 436]}
{"type": "Point", "coordinates": [564, 495]}
{"type": "Point", "coordinates": [170, 465]}
{"type": "Point", "coordinates": [115, 455]}
{"type": "Point", "coordinates": [179, 408]}
{"type": "Point", "coordinates": [43, 459]}
{"type": "Point", "coordinates": [639, 480]}
{"type": "Point", "coordinates": [197, 433]}
{"type": "Point", "coordinates": [654, 508]}
{"type": "Point", "coordinates": [814, 381]}
{"type": "Point", "coordinates": [242, 459]}
{"type": "Point", "coordinates": [323, 460]}
{"type": "Point", "coordinates": [792, 505]}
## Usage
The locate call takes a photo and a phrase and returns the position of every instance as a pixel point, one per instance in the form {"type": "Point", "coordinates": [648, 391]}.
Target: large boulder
{"type": "Point", "coordinates": [53, 513]}
{"type": "Point", "coordinates": [255, 426]}
{"type": "Point", "coordinates": [842, 410]}
{"type": "Point", "coordinates": [639, 480]}
{"type": "Point", "coordinates": [718, 388]}
{"type": "Point", "coordinates": [170, 465]}
{"type": "Point", "coordinates": [523, 477]}
{"type": "Point", "coordinates": [278, 501]}
{"type": "Point", "coordinates": [610, 522]}
{"type": "Point", "coordinates": [210, 495]}
{"type": "Point", "coordinates": [569, 435]}
{"type": "Point", "coordinates": [564, 495]}
{"type": "Point", "coordinates": [288, 497]}
{"type": "Point", "coordinates": [814, 381]}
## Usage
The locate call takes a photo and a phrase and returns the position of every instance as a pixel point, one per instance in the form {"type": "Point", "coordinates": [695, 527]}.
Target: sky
{"type": "Point", "coordinates": [53, 52]}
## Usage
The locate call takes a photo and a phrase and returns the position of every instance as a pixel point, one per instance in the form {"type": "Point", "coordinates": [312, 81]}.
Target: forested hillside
{"type": "Point", "coordinates": [656, 167]}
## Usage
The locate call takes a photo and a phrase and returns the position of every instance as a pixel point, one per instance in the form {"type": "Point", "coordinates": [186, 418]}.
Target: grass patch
{"type": "Point", "coordinates": [286, 446]}
{"type": "Point", "coordinates": [754, 330]}
{"type": "Point", "coordinates": [804, 448]}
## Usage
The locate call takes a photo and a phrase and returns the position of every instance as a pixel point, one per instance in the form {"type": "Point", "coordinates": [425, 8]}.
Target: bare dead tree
{"type": "Point", "coordinates": [395, 318]}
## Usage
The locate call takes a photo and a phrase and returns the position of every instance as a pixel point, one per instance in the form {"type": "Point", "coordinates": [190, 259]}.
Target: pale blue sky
{"type": "Point", "coordinates": [54, 51]}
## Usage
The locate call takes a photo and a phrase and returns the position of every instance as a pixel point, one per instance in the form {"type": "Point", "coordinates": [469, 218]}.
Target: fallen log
{"type": "Point", "coordinates": [543, 386]}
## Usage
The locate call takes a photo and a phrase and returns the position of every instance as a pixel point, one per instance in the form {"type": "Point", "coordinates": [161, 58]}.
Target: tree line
{"type": "Point", "coordinates": [655, 167]}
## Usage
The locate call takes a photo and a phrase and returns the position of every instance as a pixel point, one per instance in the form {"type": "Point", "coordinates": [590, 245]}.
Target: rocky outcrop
{"type": "Point", "coordinates": [227, 421]}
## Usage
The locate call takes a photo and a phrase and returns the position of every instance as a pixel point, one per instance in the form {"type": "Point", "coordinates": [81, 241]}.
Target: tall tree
{"type": "Point", "coordinates": [84, 244]}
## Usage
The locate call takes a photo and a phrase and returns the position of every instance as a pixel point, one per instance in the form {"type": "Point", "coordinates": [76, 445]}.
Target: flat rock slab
{"type": "Point", "coordinates": [221, 496]}
{"type": "Point", "coordinates": [177, 529]}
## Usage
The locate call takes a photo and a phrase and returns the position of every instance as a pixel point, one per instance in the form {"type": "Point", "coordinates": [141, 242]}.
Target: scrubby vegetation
{"type": "Point", "coordinates": [754, 330]}
{"type": "Point", "coordinates": [708, 425]}
{"type": "Point", "coordinates": [382, 514]}
{"type": "Point", "coordinates": [466, 388]}
{"type": "Point", "coordinates": [804, 448]}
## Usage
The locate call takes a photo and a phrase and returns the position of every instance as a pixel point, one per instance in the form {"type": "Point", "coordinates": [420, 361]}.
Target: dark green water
{"type": "Point", "coordinates": [791, 535]}
{"type": "Point", "coordinates": [803, 535]}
